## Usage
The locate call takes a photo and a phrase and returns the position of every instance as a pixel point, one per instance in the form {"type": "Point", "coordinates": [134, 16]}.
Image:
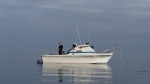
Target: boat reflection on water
{"type": "Point", "coordinates": [76, 73]}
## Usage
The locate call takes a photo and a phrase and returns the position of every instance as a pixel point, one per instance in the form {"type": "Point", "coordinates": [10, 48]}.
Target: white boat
{"type": "Point", "coordinates": [83, 53]}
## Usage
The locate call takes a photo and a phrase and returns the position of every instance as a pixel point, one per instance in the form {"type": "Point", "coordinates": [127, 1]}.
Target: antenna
{"type": "Point", "coordinates": [89, 37]}
{"type": "Point", "coordinates": [78, 32]}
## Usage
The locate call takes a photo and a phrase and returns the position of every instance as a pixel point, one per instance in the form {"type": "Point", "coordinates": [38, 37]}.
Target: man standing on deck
{"type": "Point", "coordinates": [60, 48]}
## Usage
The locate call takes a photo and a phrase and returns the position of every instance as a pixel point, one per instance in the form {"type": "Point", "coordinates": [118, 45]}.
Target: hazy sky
{"type": "Point", "coordinates": [38, 25]}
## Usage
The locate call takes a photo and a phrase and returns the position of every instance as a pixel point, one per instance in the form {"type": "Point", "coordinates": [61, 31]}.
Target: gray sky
{"type": "Point", "coordinates": [38, 25]}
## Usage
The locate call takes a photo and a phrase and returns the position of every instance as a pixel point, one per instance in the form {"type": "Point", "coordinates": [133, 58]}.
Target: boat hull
{"type": "Point", "coordinates": [97, 58]}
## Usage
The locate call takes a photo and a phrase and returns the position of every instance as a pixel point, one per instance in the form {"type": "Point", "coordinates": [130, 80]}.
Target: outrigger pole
{"type": "Point", "coordinates": [89, 37]}
{"type": "Point", "coordinates": [78, 32]}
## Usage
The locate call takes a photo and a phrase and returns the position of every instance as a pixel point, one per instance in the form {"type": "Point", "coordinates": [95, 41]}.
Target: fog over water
{"type": "Point", "coordinates": [29, 28]}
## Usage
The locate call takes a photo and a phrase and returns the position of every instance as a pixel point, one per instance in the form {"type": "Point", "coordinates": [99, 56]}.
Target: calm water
{"type": "Point", "coordinates": [19, 70]}
{"type": "Point", "coordinates": [29, 28]}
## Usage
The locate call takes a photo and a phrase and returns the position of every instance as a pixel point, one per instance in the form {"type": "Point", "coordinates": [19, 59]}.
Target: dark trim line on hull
{"type": "Point", "coordinates": [81, 52]}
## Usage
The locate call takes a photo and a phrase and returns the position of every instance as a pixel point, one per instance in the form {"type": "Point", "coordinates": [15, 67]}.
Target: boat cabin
{"type": "Point", "coordinates": [84, 49]}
